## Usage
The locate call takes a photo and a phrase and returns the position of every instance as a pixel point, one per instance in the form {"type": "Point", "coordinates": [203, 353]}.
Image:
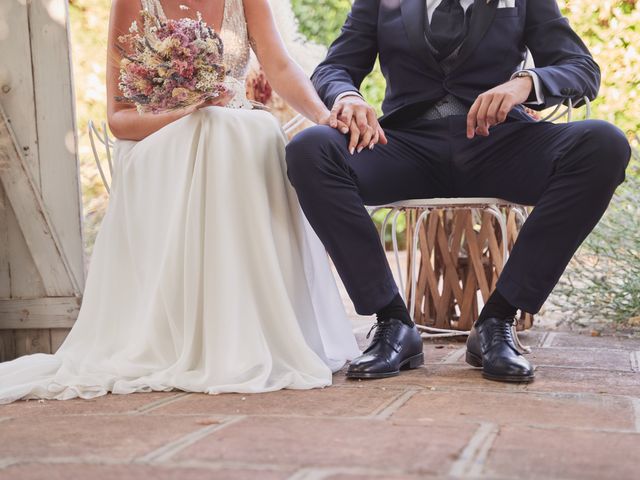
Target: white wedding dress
{"type": "Point", "coordinates": [205, 276]}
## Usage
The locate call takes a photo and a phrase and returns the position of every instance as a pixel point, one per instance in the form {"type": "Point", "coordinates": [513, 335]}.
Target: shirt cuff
{"type": "Point", "coordinates": [348, 94]}
{"type": "Point", "coordinates": [537, 87]}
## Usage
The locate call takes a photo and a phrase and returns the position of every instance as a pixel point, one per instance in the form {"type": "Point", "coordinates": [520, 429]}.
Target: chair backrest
{"type": "Point", "coordinates": [107, 144]}
{"type": "Point", "coordinates": [558, 112]}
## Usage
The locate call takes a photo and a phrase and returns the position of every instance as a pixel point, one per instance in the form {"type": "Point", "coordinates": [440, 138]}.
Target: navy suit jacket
{"type": "Point", "coordinates": [491, 53]}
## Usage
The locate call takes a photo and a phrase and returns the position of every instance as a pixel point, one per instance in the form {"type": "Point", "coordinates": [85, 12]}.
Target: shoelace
{"type": "Point", "coordinates": [503, 332]}
{"type": "Point", "coordinates": [383, 329]}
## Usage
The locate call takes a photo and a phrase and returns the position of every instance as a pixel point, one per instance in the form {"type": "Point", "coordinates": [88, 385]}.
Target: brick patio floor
{"type": "Point", "coordinates": [579, 419]}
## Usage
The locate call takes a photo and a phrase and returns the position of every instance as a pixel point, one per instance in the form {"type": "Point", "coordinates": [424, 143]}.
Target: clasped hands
{"type": "Point", "coordinates": [353, 116]}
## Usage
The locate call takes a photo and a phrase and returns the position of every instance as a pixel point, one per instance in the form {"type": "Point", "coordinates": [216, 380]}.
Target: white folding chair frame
{"type": "Point", "coordinates": [107, 143]}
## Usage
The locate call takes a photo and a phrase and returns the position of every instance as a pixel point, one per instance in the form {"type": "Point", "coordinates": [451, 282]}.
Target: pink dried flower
{"type": "Point", "coordinates": [171, 64]}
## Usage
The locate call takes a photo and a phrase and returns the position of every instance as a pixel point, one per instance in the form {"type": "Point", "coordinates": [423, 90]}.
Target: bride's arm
{"type": "Point", "coordinates": [124, 120]}
{"type": "Point", "coordinates": [284, 74]}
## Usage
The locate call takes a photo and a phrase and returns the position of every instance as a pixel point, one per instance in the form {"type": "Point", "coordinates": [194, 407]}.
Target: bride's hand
{"type": "Point", "coordinates": [325, 119]}
{"type": "Point", "coordinates": [364, 130]}
{"type": "Point", "coordinates": [220, 101]}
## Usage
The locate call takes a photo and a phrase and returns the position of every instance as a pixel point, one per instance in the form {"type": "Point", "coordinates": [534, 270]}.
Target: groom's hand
{"type": "Point", "coordinates": [493, 106]}
{"type": "Point", "coordinates": [364, 130]}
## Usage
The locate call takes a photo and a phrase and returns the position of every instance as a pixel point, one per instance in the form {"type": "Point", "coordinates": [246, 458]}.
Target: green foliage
{"type": "Point", "coordinates": [89, 20]}
{"type": "Point", "coordinates": [373, 88]}
{"type": "Point", "coordinates": [611, 30]}
{"type": "Point", "coordinates": [401, 226]}
{"type": "Point", "coordinates": [320, 21]}
{"type": "Point", "coordinates": [602, 282]}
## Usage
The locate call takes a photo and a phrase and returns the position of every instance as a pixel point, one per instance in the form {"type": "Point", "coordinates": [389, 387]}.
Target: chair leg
{"type": "Point", "coordinates": [521, 213]}
{"type": "Point", "coordinates": [502, 221]}
{"type": "Point", "coordinates": [414, 262]}
{"type": "Point", "coordinates": [383, 229]}
{"type": "Point", "coordinates": [396, 251]}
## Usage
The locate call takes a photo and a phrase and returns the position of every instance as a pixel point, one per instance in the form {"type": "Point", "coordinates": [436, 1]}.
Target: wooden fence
{"type": "Point", "coordinates": [41, 260]}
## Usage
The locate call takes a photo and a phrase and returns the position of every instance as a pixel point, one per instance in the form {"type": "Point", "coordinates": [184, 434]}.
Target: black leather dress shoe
{"type": "Point", "coordinates": [491, 346]}
{"type": "Point", "coordinates": [395, 346]}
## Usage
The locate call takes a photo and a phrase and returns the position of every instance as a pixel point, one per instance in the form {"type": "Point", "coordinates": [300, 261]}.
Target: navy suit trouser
{"type": "Point", "coordinates": [569, 172]}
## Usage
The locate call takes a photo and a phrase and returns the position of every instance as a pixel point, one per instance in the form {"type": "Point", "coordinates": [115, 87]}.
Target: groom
{"type": "Point", "coordinates": [455, 126]}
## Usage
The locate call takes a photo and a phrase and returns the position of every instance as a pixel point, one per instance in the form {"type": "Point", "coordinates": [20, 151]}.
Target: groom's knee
{"type": "Point", "coordinates": [310, 152]}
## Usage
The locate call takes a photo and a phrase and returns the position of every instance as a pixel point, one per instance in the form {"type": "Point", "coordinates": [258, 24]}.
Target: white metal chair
{"type": "Point", "coordinates": [106, 142]}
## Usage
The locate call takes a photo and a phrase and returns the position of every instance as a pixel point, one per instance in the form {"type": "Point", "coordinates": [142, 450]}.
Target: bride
{"type": "Point", "coordinates": [205, 275]}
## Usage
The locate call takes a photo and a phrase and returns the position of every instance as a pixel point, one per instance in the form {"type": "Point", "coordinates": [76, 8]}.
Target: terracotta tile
{"type": "Point", "coordinates": [435, 353]}
{"type": "Point", "coordinates": [382, 476]}
{"type": "Point", "coordinates": [109, 436]}
{"type": "Point", "coordinates": [133, 472]}
{"type": "Point", "coordinates": [532, 337]}
{"type": "Point", "coordinates": [550, 379]}
{"type": "Point", "coordinates": [568, 454]}
{"type": "Point", "coordinates": [560, 426]}
{"type": "Point", "coordinates": [406, 378]}
{"type": "Point", "coordinates": [106, 404]}
{"type": "Point", "coordinates": [586, 411]}
{"type": "Point", "coordinates": [330, 401]}
{"type": "Point", "coordinates": [434, 377]}
{"type": "Point", "coordinates": [577, 340]}
{"type": "Point", "coordinates": [582, 358]}
{"type": "Point", "coordinates": [374, 444]}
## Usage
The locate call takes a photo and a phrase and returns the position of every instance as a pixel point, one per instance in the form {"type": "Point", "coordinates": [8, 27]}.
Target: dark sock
{"type": "Point", "coordinates": [396, 309]}
{"type": "Point", "coordinates": [497, 307]}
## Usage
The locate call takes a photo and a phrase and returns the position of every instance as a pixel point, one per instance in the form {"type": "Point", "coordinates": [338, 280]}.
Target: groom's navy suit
{"type": "Point", "coordinates": [492, 51]}
{"type": "Point", "coordinates": [568, 171]}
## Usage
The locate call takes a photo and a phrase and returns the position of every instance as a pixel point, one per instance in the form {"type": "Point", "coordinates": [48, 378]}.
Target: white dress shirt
{"type": "Point", "coordinates": [433, 4]}
{"type": "Point", "coordinates": [431, 7]}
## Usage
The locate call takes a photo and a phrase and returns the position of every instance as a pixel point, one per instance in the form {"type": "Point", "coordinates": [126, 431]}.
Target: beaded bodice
{"type": "Point", "coordinates": [237, 50]}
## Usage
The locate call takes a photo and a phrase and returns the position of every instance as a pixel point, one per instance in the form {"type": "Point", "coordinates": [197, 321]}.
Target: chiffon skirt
{"type": "Point", "coordinates": [205, 275]}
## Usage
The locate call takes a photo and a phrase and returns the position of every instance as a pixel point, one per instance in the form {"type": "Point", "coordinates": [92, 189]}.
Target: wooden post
{"type": "Point", "coordinates": [41, 248]}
